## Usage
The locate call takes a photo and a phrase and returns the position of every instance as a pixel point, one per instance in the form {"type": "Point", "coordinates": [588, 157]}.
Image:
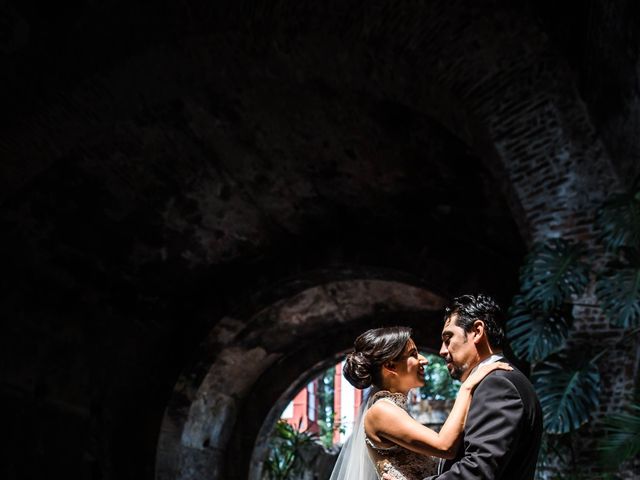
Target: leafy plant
{"type": "Point", "coordinates": [438, 383]}
{"type": "Point", "coordinates": [618, 289]}
{"type": "Point", "coordinates": [621, 440]}
{"type": "Point", "coordinates": [535, 333]}
{"type": "Point", "coordinates": [557, 460]}
{"type": "Point", "coordinates": [619, 219]}
{"type": "Point", "coordinates": [284, 461]}
{"type": "Point", "coordinates": [540, 321]}
{"type": "Point", "coordinates": [552, 272]}
{"type": "Point", "coordinates": [568, 391]}
{"type": "Point", "coordinates": [327, 431]}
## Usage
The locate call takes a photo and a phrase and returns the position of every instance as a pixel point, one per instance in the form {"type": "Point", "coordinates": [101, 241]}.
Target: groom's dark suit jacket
{"type": "Point", "coordinates": [503, 432]}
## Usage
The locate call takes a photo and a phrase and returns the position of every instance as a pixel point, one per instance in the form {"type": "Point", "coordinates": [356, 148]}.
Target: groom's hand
{"type": "Point", "coordinates": [386, 476]}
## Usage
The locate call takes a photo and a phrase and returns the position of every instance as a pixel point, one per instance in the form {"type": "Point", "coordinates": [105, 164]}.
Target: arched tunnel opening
{"type": "Point", "coordinates": [321, 408]}
{"type": "Point", "coordinates": [224, 426]}
{"type": "Point", "coordinates": [302, 365]}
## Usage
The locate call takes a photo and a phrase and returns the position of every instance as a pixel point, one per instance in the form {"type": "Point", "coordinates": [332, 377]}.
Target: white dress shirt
{"type": "Point", "coordinates": [496, 357]}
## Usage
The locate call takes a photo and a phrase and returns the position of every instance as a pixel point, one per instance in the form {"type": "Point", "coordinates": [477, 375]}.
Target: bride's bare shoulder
{"type": "Point", "coordinates": [383, 411]}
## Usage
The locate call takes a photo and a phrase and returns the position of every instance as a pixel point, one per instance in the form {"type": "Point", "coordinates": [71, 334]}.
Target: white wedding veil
{"type": "Point", "coordinates": [354, 462]}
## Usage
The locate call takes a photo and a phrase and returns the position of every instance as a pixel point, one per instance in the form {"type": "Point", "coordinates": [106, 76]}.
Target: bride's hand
{"type": "Point", "coordinates": [476, 377]}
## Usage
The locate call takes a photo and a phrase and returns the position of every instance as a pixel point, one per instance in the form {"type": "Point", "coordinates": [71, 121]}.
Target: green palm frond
{"type": "Point", "coordinates": [552, 272]}
{"type": "Point", "coordinates": [621, 440]}
{"type": "Point", "coordinates": [618, 289]}
{"type": "Point", "coordinates": [568, 390]}
{"type": "Point", "coordinates": [619, 220]}
{"type": "Point", "coordinates": [534, 333]}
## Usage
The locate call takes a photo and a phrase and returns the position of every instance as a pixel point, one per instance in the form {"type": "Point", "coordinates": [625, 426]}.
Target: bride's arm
{"type": "Point", "coordinates": [386, 421]}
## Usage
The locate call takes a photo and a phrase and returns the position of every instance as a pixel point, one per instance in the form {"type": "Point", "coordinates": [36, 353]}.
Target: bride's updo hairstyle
{"type": "Point", "coordinates": [371, 350]}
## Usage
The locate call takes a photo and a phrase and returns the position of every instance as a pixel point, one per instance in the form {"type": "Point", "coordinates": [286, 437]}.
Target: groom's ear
{"type": "Point", "coordinates": [477, 330]}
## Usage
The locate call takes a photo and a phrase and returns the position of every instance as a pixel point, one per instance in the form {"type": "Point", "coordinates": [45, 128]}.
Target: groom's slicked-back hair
{"type": "Point", "coordinates": [469, 308]}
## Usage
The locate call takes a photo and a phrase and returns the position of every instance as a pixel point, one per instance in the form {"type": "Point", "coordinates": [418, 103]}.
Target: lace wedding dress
{"type": "Point", "coordinates": [361, 459]}
{"type": "Point", "coordinates": [397, 461]}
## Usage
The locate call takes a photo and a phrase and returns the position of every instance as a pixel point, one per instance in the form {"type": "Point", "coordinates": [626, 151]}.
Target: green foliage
{"type": "Point", "coordinates": [540, 321]}
{"type": "Point", "coordinates": [438, 383]}
{"type": "Point", "coordinates": [556, 458]}
{"type": "Point", "coordinates": [621, 440]}
{"type": "Point", "coordinates": [618, 289]}
{"type": "Point", "coordinates": [619, 219]}
{"type": "Point", "coordinates": [284, 460]}
{"type": "Point", "coordinates": [326, 421]}
{"type": "Point", "coordinates": [552, 272]}
{"type": "Point", "coordinates": [327, 430]}
{"type": "Point", "coordinates": [568, 389]}
{"type": "Point", "coordinates": [549, 456]}
{"type": "Point", "coordinates": [534, 333]}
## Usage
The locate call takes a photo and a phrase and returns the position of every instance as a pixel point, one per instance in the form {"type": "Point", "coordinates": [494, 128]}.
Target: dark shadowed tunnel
{"type": "Point", "coordinates": [205, 202]}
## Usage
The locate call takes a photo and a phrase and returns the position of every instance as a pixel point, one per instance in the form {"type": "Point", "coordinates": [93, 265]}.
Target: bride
{"type": "Point", "coordinates": [385, 439]}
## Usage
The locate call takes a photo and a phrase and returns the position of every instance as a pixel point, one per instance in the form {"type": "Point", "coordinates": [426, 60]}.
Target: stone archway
{"type": "Point", "coordinates": [519, 113]}
{"type": "Point", "coordinates": [160, 140]}
{"type": "Point", "coordinates": [213, 420]}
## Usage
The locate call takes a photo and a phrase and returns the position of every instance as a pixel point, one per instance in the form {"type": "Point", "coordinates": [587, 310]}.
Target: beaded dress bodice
{"type": "Point", "coordinates": [397, 461]}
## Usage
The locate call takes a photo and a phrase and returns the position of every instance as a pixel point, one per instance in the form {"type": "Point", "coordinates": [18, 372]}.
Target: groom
{"type": "Point", "coordinates": [503, 432]}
